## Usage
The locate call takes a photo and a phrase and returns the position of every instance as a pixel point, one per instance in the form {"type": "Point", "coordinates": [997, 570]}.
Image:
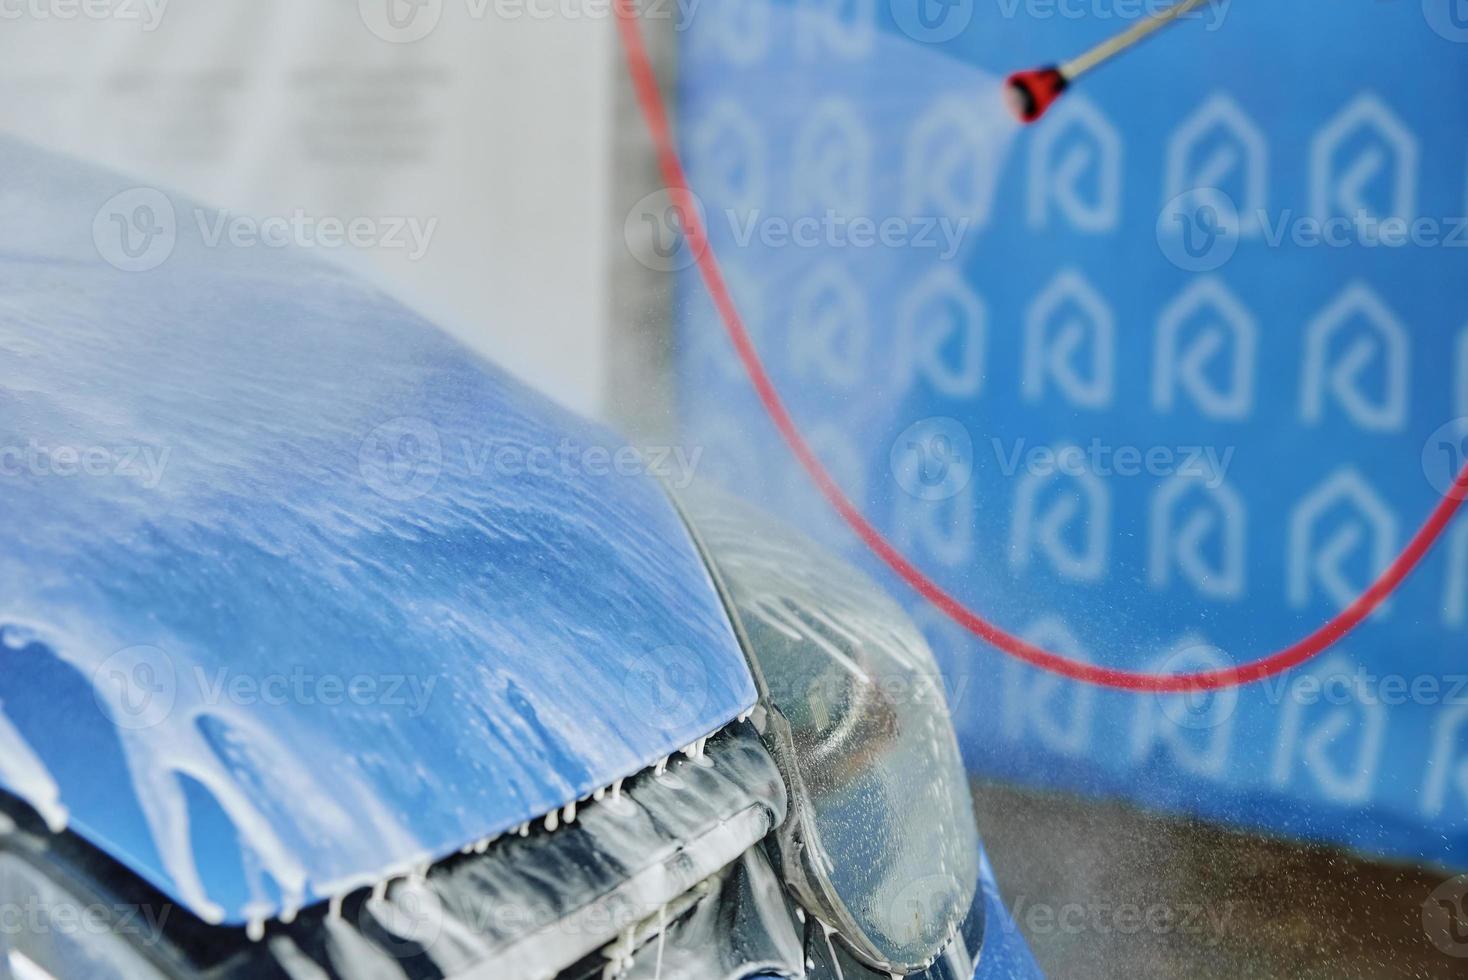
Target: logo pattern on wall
{"type": "Point", "coordinates": [1196, 363]}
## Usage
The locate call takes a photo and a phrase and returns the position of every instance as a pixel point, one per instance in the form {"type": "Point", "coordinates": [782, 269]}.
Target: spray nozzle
{"type": "Point", "coordinates": [1030, 93]}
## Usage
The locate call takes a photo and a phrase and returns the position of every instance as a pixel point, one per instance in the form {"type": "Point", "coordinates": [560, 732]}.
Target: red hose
{"type": "Point", "coordinates": [645, 82]}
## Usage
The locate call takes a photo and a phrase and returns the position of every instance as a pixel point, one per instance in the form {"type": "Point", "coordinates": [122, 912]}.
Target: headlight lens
{"type": "Point", "coordinates": [880, 843]}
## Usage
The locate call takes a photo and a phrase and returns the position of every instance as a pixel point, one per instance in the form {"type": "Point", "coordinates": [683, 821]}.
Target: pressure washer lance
{"type": "Point", "coordinates": [1032, 92]}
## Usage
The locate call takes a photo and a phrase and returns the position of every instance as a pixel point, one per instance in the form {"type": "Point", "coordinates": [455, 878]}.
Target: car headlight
{"type": "Point", "coordinates": [880, 841]}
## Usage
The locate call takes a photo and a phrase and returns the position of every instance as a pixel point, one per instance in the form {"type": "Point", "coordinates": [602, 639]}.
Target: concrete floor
{"type": "Point", "coordinates": [1102, 890]}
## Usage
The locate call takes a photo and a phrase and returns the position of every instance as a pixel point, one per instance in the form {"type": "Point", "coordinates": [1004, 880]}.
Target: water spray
{"type": "Point", "coordinates": [1030, 93]}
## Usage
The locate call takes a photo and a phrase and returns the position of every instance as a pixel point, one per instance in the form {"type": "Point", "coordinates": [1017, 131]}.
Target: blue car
{"type": "Point", "coordinates": [328, 650]}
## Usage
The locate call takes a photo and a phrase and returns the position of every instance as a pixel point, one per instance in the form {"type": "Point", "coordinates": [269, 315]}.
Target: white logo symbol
{"type": "Point", "coordinates": [1344, 374]}
{"type": "Point", "coordinates": [400, 21]}
{"type": "Point", "coordinates": [1446, 762]}
{"type": "Point", "coordinates": [832, 160]}
{"type": "Point", "coordinates": [136, 687]}
{"type": "Point", "coordinates": [941, 314]}
{"type": "Point", "coordinates": [951, 162]}
{"type": "Point", "coordinates": [657, 230]}
{"type": "Point", "coordinates": [828, 331]}
{"type": "Point", "coordinates": [1455, 604]}
{"type": "Point", "coordinates": [740, 30]}
{"type": "Point", "coordinates": [932, 21]}
{"type": "Point", "coordinates": [1386, 164]}
{"type": "Point", "coordinates": [1195, 727]}
{"type": "Point", "coordinates": [1237, 147]}
{"type": "Point", "coordinates": [1445, 911]}
{"type": "Point", "coordinates": [1085, 505]}
{"type": "Point", "coordinates": [1183, 539]}
{"type": "Point", "coordinates": [1064, 320]}
{"type": "Point", "coordinates": [1227, 332]}
{"type": "Point", "coordinates": [1057, 712]}
{"type": "Point", "coordinates": [667, 689]}
{"type": "Point", "coordinates": [1325, 746]}
{"type": "Point", "coordinates": [845, 27]}
{"type": "Point", "coordinates": [1373, 530]}
{"type": "Point", "coordinates": [1198, 230]}
{"type": "Point", "coordinates": [933, 459]}
{"type": "Point", "coordinates": [727, 153]}
{"type": "Point", "coordinates": [401, 459]}
{"type": "Point", "coordinates": [136, 230]}
{"type": "Point", "coordinates": [1077, 148]}
{"type": "Point", "coordinates": [941, 528]}
{"type": "Point", "coordinates": [1449, 18]}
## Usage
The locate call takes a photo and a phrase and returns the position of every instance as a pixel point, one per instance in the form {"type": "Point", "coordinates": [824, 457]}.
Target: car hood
{"type": "Point", "coordinates": [295, 592]}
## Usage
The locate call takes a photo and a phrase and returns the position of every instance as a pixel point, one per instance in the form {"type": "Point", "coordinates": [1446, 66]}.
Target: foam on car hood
{"type": "Point", "coordinates": [295, 592]}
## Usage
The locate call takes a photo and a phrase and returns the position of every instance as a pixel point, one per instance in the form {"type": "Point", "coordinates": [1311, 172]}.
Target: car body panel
{"type": "Point", "coordinates": [295, 591]}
